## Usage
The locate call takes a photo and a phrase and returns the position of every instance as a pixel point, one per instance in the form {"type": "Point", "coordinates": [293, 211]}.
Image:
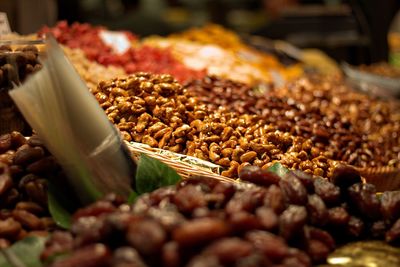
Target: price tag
{"type": "Point", "coordinates": [4, 25]}
{"type": "Point", "coordinates": [118, 41]}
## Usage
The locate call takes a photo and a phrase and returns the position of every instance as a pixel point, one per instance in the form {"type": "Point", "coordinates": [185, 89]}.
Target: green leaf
{"type": "Point", "coordinates": [152, 174]}
{"type": "Point", "coordinates": [278, 169]}
{"type": "Point", "coordinates": [60, 215]}
{"type": "Point", "coordinates": [25, 252]}
{"type": "Point", "coordinates": [59, 206]}
{"type": "Point", "coordinates": [132, 197]}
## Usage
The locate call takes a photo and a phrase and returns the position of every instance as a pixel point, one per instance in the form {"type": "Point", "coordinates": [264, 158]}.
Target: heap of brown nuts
{"type": "Point", "coordinates": [15, 66]}
{"type": "Point", "coordinates": [24, 167]}
{"type": "Point", "coordinates": [288, 221]}
{"type": "Point", "coordinates": [344, 125]}
{"type": "Point", "coordinates": [158, 111]}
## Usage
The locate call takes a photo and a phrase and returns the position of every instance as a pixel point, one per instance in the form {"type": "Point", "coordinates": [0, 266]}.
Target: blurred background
{"type": "Point", "coordinates": [355, 31]}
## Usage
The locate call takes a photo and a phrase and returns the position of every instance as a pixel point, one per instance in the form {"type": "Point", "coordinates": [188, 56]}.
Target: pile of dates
{"type": "Point", "coordinates": [15, 66]}
{"type": "Point", "coordinates": [270, 220]}
{"type": "Point", "coordinates": [25, 166]}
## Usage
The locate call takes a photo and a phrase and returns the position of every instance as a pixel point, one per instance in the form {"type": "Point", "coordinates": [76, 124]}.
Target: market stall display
{"type": "Point", "coordinates": [273, 162]}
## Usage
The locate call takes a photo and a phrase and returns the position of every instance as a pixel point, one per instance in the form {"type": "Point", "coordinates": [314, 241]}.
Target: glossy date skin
{"type": "Point", "coordinates": [283, 221]}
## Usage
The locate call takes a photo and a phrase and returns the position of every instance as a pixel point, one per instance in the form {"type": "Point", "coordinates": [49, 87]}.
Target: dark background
{"type": "Point", "coordinates": [354, 30]}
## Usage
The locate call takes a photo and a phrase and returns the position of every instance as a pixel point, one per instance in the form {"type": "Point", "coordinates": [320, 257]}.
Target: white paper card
{"type": "Point", "coordinates": [118, 41]}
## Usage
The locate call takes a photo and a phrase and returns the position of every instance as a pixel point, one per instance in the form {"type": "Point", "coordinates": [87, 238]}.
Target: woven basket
{"type": "Point", "coordinates": [384, 178]}
{"type": "Point", "coordinates": [185, 166]}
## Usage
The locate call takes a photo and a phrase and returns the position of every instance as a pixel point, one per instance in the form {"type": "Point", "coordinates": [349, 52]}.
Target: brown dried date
{"type": "Point", "coordinates": [316, 210]}
{"type": "Point", "coordinates": [27, 219]}
{"type": "Point", "coordinates": [327, 191]}
{"type": "Point", "coordinates": [364, 200]}
{"type": "Point", "coordinates": [355, 226]}
{"type": "Point", "coordinates": [28, 155]}
{"type": "Point", "coordinates": [292, 221]}
{"type": "Point", "coordinates": [293, 190]}
{"type": "Point", "coordinates": [5, 142]}
{"type": "Point", "coordinates": [200, 230]}
{"type": "Point", "coordinates": [390, 205]}
{"type": "Point", "coordinates": [147, 236]}
{"type": "Point", "coordinates": [171, 255]}
{"type": "Point", "coordinates": [258, 176]}
{"type": "Point", "coordinates": [345, 176]}
{"type": "Point", "coordinates": [127, 256]}
{"type": "Point", "coordinates": [243, 221]}
{"type": "Point", "coordinates": [9, 228]}
{"type": "Point", "coordinates": [270, 245]}
{"type": "Point", "coordinates": [95, 209]}
{"type": "Point", "coordinates": [267, 218]}
{"type": "Point", "coordinates": [5, 178]}
{"type": "Point", "coordinates": [338, 216]}
{"type": "Point", "coordinates": [229, 250]}
{"type": "Point", "coordinates": [95, 255]}
{"type": "Point", "coordinates": [274, 199]}
{"type": "Point", "coordinates": [394, 232]}
{"type": "Point", "coordinates": [189, 198]}
{"type": "Point", "coordinates": [204, 222]}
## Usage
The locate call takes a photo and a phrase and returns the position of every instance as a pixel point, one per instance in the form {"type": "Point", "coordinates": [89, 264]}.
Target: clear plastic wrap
{"type": "Point", "coordinates": [60, 108]}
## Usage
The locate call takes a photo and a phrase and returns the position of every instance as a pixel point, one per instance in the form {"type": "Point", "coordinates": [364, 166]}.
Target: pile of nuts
{"type": "Point", "coordinates": [344, 125]}
{"type": "Point", "coordinates": [363, 130]}
{"type": "Point", "coordinates": [293, 220]}
{"type": "Point", "coordinates": [15, 65]}
{"type": "Point", "coordinates": [24, 167]}
{"type": "Point", "coordinates": [156, 110]}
